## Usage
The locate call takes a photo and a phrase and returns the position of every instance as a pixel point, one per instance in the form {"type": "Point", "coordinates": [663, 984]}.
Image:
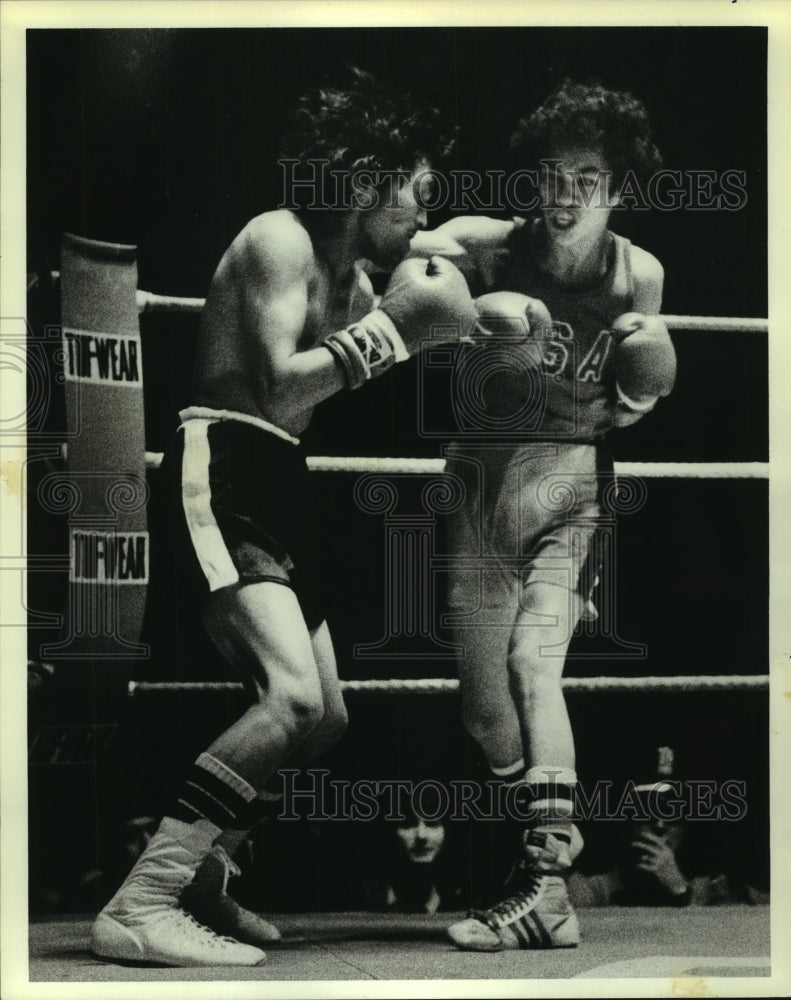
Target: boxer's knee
{"type": "Point", "coordinates": [535, 674]}
{"type": "Point", "coordinates": [537, 652]}
{"type": "Point", "coordinates": [302, 708]}
{"type": "Point", "coordinates": [293, 706]}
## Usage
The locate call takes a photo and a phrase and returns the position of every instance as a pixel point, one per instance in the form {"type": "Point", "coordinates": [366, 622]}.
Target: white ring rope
{"type": "Point", "coordinates": [647, 470]}
{"type": "Point", "coordinates": [443, 685]}
{"type": "Point", "coordinates": [149, 302]}
{"type": "Point", "coordinates": [713, 324]}
{"type": "Point", "coordinates": [436, 466]}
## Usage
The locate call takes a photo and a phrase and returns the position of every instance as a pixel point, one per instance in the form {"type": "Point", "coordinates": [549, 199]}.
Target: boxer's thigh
{"type": "Point", "coordinates": [543, 630]}
{"type": "Point", "coordinates": [260, 630]}
{"type": "Point", "coordinates": [554, 594]}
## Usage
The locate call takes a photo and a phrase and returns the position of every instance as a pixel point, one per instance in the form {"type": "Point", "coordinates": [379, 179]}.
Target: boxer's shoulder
{"type": "Point", "coordinates": [648, 277]}
{"type": "Point", "coordinates": [272, 245]}
{"type": "Point", "coordinates": [646, 267]}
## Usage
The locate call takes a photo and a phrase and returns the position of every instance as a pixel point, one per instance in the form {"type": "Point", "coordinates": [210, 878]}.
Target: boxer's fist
{"type": "Point", "coordinates": [645, 359]}
{"type": "Point", "coordinates": [429, 301]}
{"type": "Point", "coordinates": [508, 373]}
{"type": "Point", "coordinates": [512, 314]}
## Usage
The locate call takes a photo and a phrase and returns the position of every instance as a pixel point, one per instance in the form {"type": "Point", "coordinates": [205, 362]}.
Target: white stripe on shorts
{"type": "Point", "coordinates": [207, 413]}
{"type": "Point", "coordinates": [213, 556]}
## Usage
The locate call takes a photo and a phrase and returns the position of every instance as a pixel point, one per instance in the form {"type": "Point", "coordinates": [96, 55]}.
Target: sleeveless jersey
{"type": "Point", "coordinates": [577, 355]}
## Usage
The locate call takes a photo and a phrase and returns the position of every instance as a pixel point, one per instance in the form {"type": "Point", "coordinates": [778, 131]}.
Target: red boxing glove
{"type": "Point", "coordinates": [645, 361]}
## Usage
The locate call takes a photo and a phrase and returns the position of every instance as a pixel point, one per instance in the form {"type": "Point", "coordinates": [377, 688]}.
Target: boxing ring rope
{"type": "Point", "coordinates": [149, 302]}
{"type": "Point", "coordinates": [449, 685]}
{"type": "Point", "coordinates": [436, 466]}
{"type": "Point", "coordinates": [443, 685]}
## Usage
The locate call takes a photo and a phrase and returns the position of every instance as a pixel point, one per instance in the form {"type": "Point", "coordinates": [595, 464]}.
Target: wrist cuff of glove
{"type": "Point", "coordinates": [367, 348]}
{"type": "Point", "coordinates": [641, 406]}
{"type": "Point", "coordinates": [379, 320]}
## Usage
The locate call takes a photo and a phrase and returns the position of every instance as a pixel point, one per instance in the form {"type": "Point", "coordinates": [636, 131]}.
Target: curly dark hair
{"type": "Point", "coordinates": [363, 126]}
{"type": "Point", "coordinates": [591, 115]}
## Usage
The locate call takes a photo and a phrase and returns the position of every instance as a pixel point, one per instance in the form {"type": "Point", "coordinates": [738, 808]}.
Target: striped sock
{"type": "Point", "coordinates": [549, 792]}
{"type": "Point", "coordinates": [266, 805]}
{"type": "Point", "coordinates": [215, 793]}
{"type": "Point", "coordinates": [510, 773]}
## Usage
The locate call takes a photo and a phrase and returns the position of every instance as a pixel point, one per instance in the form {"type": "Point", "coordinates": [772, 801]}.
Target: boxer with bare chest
{"type": "Point", "coordinates": [289, 321]}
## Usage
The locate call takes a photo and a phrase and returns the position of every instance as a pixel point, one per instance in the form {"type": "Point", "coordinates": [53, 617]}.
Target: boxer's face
{"type": "Point", "coordinates": [421, 841]}
{"type": "Point", "coordinates": [386, 229]}
{"type": "Point", "coordinates": [576, 195]}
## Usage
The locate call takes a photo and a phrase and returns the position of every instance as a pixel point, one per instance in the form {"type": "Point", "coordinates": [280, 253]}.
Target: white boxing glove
{"type": "Point", "coordinates": [511, 313]}
{"type": "Point", "coordinates": [424, 303]}
{"type": "Point", "coordinates": [645, 360]}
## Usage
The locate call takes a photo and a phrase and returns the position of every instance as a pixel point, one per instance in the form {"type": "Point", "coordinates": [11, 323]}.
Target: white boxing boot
{"type": "Point", "coordinates": [538, 914]}
{"type": "Point", "coordinates": [144, 921]}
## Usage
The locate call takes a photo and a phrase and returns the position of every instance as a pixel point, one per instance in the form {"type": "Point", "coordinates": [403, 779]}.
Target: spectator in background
{"type": "Point", "coordinates": [649, 872]}
{"type": "Point", "coordinates": [410, 870]}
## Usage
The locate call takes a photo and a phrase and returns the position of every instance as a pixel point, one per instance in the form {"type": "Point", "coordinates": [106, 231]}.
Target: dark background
{"type": "Point", "coordinates": [167, 140]}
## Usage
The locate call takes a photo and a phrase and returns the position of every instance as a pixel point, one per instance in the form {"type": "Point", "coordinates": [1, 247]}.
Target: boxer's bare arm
{"type": "Point", "coordinates": [476, 244]}
{"type": "Point", "coordinates": [261, 325]}
{"type": "Point", "coordinates": [465, 234]}
{"type": "Point", "coordinates": [278, 316]}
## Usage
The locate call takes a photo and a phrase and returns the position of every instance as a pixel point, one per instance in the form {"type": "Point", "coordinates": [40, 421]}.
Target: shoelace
{"type": "Point", "coordinates": [515, 906]}
{"type": "Point", "coordinates": [206, 935]}
{"type": "Point", "coordinates": [231, 866]}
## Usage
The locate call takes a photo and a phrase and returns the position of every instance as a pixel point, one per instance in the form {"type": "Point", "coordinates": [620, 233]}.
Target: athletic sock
{"type": "Point", "coordinates": [502, 840]}
{"type": "Point", "coordinates": [508, 774]}
{"type": "Point", "coordinates": [266, 805]}
{"type": "Point", "coordinates": [215, 793]}
{"type": "Point", "coordinates": [549, 794]}
{"type": "Point", "coordinates": [504, 781]}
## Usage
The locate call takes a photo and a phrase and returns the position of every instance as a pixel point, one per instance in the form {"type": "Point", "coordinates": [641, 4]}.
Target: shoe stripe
{"type": "Point", "coordinates": [525, 933]}
{"type": "Point", "coordinates": [541, 930]}
{"type": "Point", "coordinates": [522, 937]}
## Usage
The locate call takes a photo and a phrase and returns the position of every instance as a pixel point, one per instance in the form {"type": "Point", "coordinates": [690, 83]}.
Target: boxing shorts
{"type": "Point", "coordinates": [231, 507]}
{"type": "Point", "coordinates": [534, 515]}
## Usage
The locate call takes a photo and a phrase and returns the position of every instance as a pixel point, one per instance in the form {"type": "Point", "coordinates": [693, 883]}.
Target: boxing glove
{"type": "Point", "coordinates": [504, 373]}
{"type": "Point", "coordinates": [511, 313]}
{"type": "Point", "coordinates": [424, 303]}
{"type": "Point", "coordinates": [645, 360]}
